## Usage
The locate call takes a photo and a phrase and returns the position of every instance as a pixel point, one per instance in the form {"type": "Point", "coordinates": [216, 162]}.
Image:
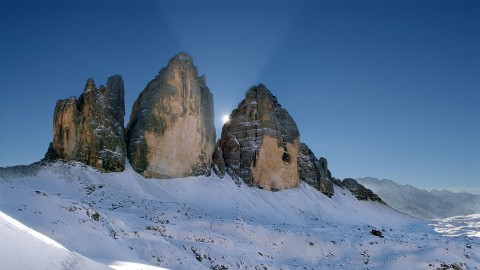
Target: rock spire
{"type": "Point", "coordinates": [90, 129]}
{"type": "Point", "coordinates": [171, 132]}
{"type": "Point", "coordinates": [260, 143]}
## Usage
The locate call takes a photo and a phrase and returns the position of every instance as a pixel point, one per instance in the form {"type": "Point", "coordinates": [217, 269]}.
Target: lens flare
{"type": "Point", "coordinates": [225, 118]}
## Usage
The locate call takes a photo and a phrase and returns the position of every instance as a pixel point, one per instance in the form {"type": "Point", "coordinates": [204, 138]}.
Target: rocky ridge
{"type": "Point", "coordinates": [423, 204]}
{"type": "Point", "coordinates": [171, 133]}
{"type": "Point", "coordinates": [359, 191]}
{"type": "Point", "coordinates": [90, 129]}
{"type": "Point", "coordinates": [314, 171]}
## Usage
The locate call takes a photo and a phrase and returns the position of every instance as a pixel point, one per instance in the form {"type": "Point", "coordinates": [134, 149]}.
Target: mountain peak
{"type": "Point", "coordinates": [98, 142]}
{"type": "Point", "coordinates": [90, 85]}
{"type": "Point", "coordinates": [181, 57]}
{"type": "Point", "coordinates": [173, 121]}
{"type": "Point", "coordinates": [267, 138]}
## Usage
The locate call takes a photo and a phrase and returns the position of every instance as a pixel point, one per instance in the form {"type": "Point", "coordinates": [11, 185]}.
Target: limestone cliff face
{"type": "Point", "coordinates": [260, 143]}
{"type": "Point", "coordinates": [90, 129]}
{"type": "Point", "coordinates": [171, 132]}
{"type": "Point", "coordinates": [314, 171]}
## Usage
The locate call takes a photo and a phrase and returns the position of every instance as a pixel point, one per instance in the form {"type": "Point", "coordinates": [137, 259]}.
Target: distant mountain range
{"type": "Point", "coordinates": [421, 203]}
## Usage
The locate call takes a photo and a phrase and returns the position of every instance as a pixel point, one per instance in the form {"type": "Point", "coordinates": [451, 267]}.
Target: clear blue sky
{"type": "Point", "coordinates": [389, 89]}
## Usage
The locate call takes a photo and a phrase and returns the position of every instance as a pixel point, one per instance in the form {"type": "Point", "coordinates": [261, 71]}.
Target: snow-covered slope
{"type": "Point", "coordinates": [124, 220]}
{"type": "Point", "coordinates": [24, 248]}
{"type": "Point", "coordinates": [421, 203]}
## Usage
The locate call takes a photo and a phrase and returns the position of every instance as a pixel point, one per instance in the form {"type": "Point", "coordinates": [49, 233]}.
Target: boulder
{"type": "Point", "coordinates": [171, 132]}
{"type": "Point", "coordinates": [260, 143]}
{"type": "Point", "coordinates": [90, 129]}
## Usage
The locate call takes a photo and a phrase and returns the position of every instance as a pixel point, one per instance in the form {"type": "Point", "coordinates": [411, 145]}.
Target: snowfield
{"type": "Point", "coordinates": [459, 225]}
{"type": "Point", "coordinates": [70, 216]}
{"type": "Point", "coordinates": [24, 248]}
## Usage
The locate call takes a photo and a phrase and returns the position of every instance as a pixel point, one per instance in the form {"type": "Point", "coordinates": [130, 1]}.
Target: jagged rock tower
{"type": "Point", "coordinates": [171, 132]}
{"type": "Point", "coordinates": [90, 129]}
{"type": "Point", "coordinates": [260, 143]}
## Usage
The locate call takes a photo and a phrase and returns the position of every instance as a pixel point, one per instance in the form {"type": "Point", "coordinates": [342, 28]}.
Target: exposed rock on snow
{"type": "Point", "coordinates": [90, 129]}
{"type": "Point", "coordinates": [260, 143]}
{"type": "Point", "coordinates": [314, 171]}
{"type": "Point", "coordinates": [171, 131]}
{"type": "Point", "coordinates": [360, 192]}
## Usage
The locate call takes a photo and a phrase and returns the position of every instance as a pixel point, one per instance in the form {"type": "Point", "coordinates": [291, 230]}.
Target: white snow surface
{"type": "Point", "coordinates": [459, 225]}
{"type": "Point", "coordinates": [24, 248]}
{"type": "Point", "coordinates": [92, 220]}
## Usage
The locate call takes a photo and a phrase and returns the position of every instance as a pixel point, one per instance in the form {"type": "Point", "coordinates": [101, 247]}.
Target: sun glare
{"type": "Point", "coordinates": [225, 118]}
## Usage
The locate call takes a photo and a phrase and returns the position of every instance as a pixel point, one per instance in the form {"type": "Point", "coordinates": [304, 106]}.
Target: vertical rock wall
{"type": "Point", "coordinates": [171, 132]}
{"type": "Point", "coordinates": [90, 129]}
{"type": "Point", "coordinates": [260, 143]}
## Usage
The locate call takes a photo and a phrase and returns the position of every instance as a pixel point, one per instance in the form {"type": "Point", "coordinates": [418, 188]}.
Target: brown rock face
{"type": "Point", "coordinates": [260, 143]}
{"type": "Point", "coordinates": [171, 132]}
{"type": "Point", "coordinates": [90, 129]}
{"type": "Point", "coordinates": [314, 171]}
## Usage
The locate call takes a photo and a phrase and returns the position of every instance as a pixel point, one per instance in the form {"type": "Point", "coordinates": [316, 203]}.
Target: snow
{"type": "Point", "coordinates": [116, 153]}
{"type": "Point", "coordinates": [125, 221]}
{"type": "Point", "coordinates": [24, 248]}
{"type": "Point", "coordinates": [459, 225]}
